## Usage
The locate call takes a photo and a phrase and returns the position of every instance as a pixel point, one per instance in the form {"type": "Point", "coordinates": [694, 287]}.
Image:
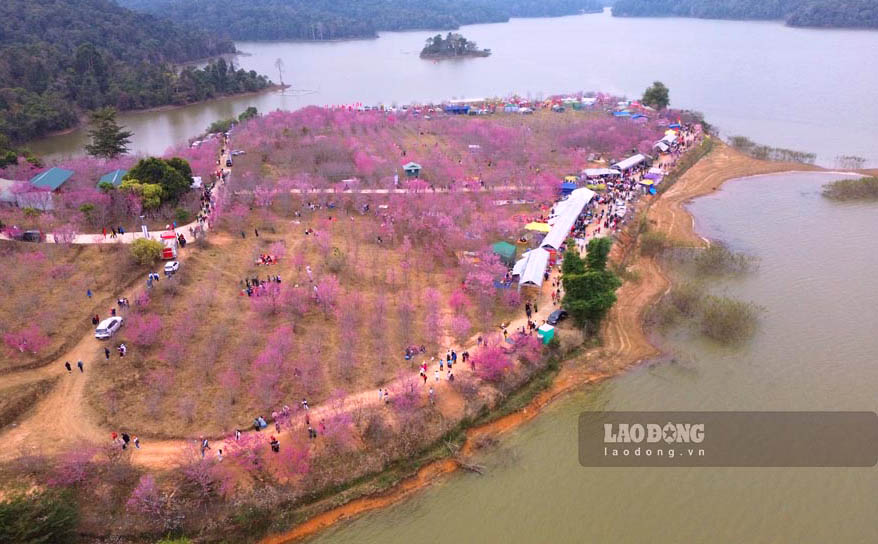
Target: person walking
{"type": "Point", "coordinates": [237, 435]}
{"type": "Point", "coordinates": [107, 353]}
{"type": "Point", "coordinates": [219, 455]}
{"type": "Point", "coordinates": [125, 440]}
{"type": "Point", "coordinates": [88, 293]}
{"type": "Point", "coordinates": [68, 367]}
{"type": "Point", "coordinates": [436, 375]}
{"type": "Point", "coordinates": [204, 446]}
{"type": "Point", "coordinates": [432, 396]}
{"type": "Point", "coordinates": [136, 442]}
{"type": "Point", "coordinates": [79, 364]}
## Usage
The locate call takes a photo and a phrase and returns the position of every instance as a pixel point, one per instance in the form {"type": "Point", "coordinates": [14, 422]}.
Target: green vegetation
{"type": "Point", "coordinates": [59, 58]}
{"type": "Point", "coordinates": [656, 96]}
{"type": "Point", "coordinates": [852, 189]}
{"type": "Point", "coordinates": [223, 125]}
{"type": "Point", "coordinates": [146, 251]}
{"type": "Point", "coordinates": [173, 176]}
{"type": "Point", "coordinates": [590, 288]}
{"type": "Point", "coordinates": [653, 243]}
{"type": "Point", "coordinates": [454, 45]}
{"type": "Point", "coordinates": [818, 13]}
{"type": "Point", "coordinates": [108, 140]}
{"type": "Point", "coordinates": [339, 19]}
{"type": "Point", "coordinates": [728, 321]}
{"type": "Point", "coordinates": [768, 153]}
{"type": "Point", "coordinates": [38, 518]}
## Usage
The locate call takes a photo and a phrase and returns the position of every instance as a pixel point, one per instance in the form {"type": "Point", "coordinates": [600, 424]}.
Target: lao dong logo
{"type": "Point", "coordinates": [652, 433]}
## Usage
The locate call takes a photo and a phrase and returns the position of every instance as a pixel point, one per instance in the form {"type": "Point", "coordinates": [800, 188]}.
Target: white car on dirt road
{"type": "Point", "coordinates": [108, 327]}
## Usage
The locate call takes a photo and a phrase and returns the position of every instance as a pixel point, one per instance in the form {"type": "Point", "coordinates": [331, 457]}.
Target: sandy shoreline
{"type": "Point", "coordinates": [625, 341]}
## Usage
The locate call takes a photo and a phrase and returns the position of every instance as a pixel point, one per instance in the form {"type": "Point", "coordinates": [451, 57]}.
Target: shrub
{"type": "Point", "coordinates": [718, 260]}
{"type": "Point", "coordinates": [852, 189]}
{"type": "Point", "coordinates": [728, 321]}
{"type": "Point", "coordinates": [653, 243]}
{"type": "Point", "coordinates": [38, 518]}
{"type": "Point", "coordinates": [182, 215]}
{"type": "Point", "coordinates": [144, 329]}
{"type": "Point", "coordinates": [146, 251]}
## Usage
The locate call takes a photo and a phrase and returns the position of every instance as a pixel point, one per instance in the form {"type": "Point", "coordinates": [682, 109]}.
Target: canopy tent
{"type": "Point", "coordinates": [114, 178]}
{"type": "Point", "coordinates": [630, 162]}
{"type": "Point", "coordinates": [645, 182]}
{"type": "Point", "coordinates": [598, 172]}
{"type": "Point", "coordinates": [571, 178]}
{"type": "Point", "coordinates": [674, 125]}
{"type": "Point", "coordinates": [621, 114]}
{"type": "Point", "coordinates": [505, 251]}
{"type": "Point", "coordinates": [669, 137]}
{"type": "Point", "coordinates": [566, 213]}
{"type": "Point", "coordinates": [568, 187]}
{"type": "Point", "coordinates": [656, 170]}
{"type": "Point", "coordinates": [661, 146]}
{"type": "Point", "coordinates": [52, 178]}
{"type": "Point", "coordinates": [538, 227]}
{"type": "Point", "coordinates": [531, 267]}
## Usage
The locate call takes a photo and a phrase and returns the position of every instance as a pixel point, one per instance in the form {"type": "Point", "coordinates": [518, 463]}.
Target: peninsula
{"type": "Point", "coordinates": [451, 47]}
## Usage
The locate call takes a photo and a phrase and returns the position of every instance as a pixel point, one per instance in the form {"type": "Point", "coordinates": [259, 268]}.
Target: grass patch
{"type": "Point", "coordinates": [852, 189]}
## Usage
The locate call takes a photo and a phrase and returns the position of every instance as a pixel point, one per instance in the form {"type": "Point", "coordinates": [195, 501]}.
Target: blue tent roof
{"type": "Point", "coordinates": [621, 114]}
{"type": "Point", "coordinates": [114, 177]}
{"type": "Point", "coordinates": [51, 178]}
{"type": "Point", "coordinates": [675, 125]}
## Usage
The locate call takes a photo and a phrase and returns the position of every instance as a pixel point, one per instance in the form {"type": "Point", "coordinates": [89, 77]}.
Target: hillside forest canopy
{"type": "Point", "coordinates": [337, 19]}
{"type": "Point", "coordinates": [59, 60]}
{"type": "Point", "coordinates": [811, 13]}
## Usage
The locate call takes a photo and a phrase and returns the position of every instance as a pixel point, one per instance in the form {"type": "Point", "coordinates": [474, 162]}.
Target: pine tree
{"type": "Point", "coordinates": [108, 139]}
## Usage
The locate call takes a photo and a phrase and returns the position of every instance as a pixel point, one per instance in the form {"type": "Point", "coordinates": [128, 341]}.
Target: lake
{"type": "Point", "coordinates": [802, 89]}
{"type": "Point", "coordinates": [815, 350]}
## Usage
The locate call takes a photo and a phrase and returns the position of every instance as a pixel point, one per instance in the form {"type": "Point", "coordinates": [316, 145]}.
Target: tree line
{"type": "Point", "coordinates": [59, 58]}
{"type": "Point", "coordinates": [815, 13]}
{"type": "Point", "coordinates": [339, 19]}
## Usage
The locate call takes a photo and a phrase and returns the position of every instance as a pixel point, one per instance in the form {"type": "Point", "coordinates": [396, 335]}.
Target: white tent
{"type": "Point", "coordinates": [597, 172]}
{"type": "Point", "coordinates": [566, 213]}
{"type": "Point", "coordinates": [630, 162]}
{"type": "Point", "coordinates": [661, 146]}
{"type": "Point", "coordinates": [532, 266]}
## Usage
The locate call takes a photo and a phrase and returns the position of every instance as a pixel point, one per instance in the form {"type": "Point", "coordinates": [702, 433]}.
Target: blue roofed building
{"type": "Point", "coordinates": [114, 178]}
{"type": "Point", "coordinates": [51, 179]}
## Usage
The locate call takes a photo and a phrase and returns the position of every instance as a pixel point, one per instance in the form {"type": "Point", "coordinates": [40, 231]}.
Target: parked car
{"type": "Point", "coordinates": [556, 316]}
{"type": "Point", "coordinates": [108, 327]}
{"type": "Point", "coordinates": [237, 152]}
{"type": "Point", "coordinates": [228, 163]}
{"type": "Point", "coordinates": [171, 267]}
{"type": "Point", "coordinates": [32, 236]}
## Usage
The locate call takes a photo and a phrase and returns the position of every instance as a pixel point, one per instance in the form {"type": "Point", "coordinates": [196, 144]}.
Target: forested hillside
{"type": "Point", "coordinates": [819, 13]}
{"type": "Point", "coordinates": [337, 19]}
{"type": "Point", "coordinates": [59, 58]}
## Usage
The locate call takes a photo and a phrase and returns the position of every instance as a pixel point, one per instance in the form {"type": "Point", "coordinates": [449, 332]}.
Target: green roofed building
{"type": "Point", "coordinates": [505, 251]}
{"type": "Point", "coordinates": [114, 177]}
{"type": "Point", "coordinates": [51, 179]}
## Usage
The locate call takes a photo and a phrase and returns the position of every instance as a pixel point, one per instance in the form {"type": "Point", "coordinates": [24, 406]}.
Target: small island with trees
{"type": "Point", "coordinates": [451, 47]}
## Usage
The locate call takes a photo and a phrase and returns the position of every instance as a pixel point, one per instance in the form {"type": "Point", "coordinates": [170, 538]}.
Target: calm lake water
{"type": "Point", "coordinates": [804, 89]}
{"type": "Point", "coordinates": [816, 350]}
